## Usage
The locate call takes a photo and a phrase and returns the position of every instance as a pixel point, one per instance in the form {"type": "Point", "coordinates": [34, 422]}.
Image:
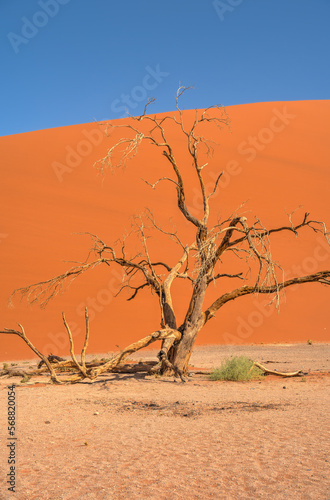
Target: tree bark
{"type": "Point", "coordinates": [179, 354]}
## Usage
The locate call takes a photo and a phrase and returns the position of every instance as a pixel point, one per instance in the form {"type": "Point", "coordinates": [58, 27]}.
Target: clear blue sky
{"type": "Point", "coordinates": [72, 61]}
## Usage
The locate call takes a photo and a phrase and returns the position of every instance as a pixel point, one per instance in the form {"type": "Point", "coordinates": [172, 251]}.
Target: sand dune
{"type": "Point", "coordinates": [276, 157]}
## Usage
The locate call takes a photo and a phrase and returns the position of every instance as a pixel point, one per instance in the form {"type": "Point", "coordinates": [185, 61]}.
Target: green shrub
{"type": "Point", "coordinates": [237, 368]}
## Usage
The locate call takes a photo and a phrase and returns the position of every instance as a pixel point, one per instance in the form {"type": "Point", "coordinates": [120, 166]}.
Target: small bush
{"type": "Point", "coordinates": [309, 342]}
{"type": "Point", "coordinates": [237, 368]}
{"type": "Point", "coordinates": [25, 379]}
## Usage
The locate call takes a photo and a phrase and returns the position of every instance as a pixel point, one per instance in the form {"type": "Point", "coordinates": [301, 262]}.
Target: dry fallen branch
{"type": "Point", "coordinates": [93, 370]}
{"type": "Point", "coordinates": [136, 346]}
{"type": "Point", "coordinates": [22, 335]}
{"type": "Point", "coordinates": [273, 372]}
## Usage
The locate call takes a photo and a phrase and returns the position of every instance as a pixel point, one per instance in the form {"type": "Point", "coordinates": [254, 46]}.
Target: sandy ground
{"type": "Point", "coordinates": [137, 437]}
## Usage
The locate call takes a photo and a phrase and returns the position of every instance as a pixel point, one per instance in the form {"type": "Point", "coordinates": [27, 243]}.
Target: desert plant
{"type": "Point", "coordinates": [25, 379]}
{"type": "Point", "coordinates": [237, 368]}
{"type": "Point", "coordinates": [309, 342]}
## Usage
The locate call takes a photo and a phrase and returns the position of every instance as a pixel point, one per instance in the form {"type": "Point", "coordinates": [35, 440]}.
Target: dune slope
{"type": "Point", "coordinates": [276, 157]}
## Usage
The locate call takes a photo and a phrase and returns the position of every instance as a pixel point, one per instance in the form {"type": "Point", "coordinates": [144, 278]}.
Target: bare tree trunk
{"type": "Point", "coordinates": [179, 355]}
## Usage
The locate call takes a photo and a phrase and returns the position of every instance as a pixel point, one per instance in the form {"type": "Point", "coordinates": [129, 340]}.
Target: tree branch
{"type": "Point", "coordinates": [44, 291]}
{"type": "Point", "coordinates": [322, 277]}
{"type": "Point", "coordinates": [22, 335]}
{"type": "Point", "coordinates": [119, 358]}
{"type": "Point", "coordinates": [225, 275]}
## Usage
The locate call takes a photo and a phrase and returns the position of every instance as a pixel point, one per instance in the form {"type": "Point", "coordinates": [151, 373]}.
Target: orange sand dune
{"type": "Point", "coordinates": [276, 158]}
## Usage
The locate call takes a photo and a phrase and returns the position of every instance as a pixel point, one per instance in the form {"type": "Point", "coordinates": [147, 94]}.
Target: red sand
{"type": "Point", "coordinates": [50, 191]}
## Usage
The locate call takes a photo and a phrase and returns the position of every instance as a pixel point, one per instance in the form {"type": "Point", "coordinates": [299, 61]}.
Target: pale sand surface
{"type": "Point", "coordinates": [130, 436]}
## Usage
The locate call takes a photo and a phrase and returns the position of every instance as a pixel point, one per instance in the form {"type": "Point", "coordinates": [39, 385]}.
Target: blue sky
{"type": "Point", "coordinates": [74, 61]}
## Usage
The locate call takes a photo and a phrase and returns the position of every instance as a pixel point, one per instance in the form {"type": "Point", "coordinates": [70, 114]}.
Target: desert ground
{"type": "Point", "coordinates": [137, 437]}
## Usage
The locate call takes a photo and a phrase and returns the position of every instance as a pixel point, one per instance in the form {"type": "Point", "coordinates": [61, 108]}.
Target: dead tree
{"type": "Point", "coordinates": [200, 260]}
